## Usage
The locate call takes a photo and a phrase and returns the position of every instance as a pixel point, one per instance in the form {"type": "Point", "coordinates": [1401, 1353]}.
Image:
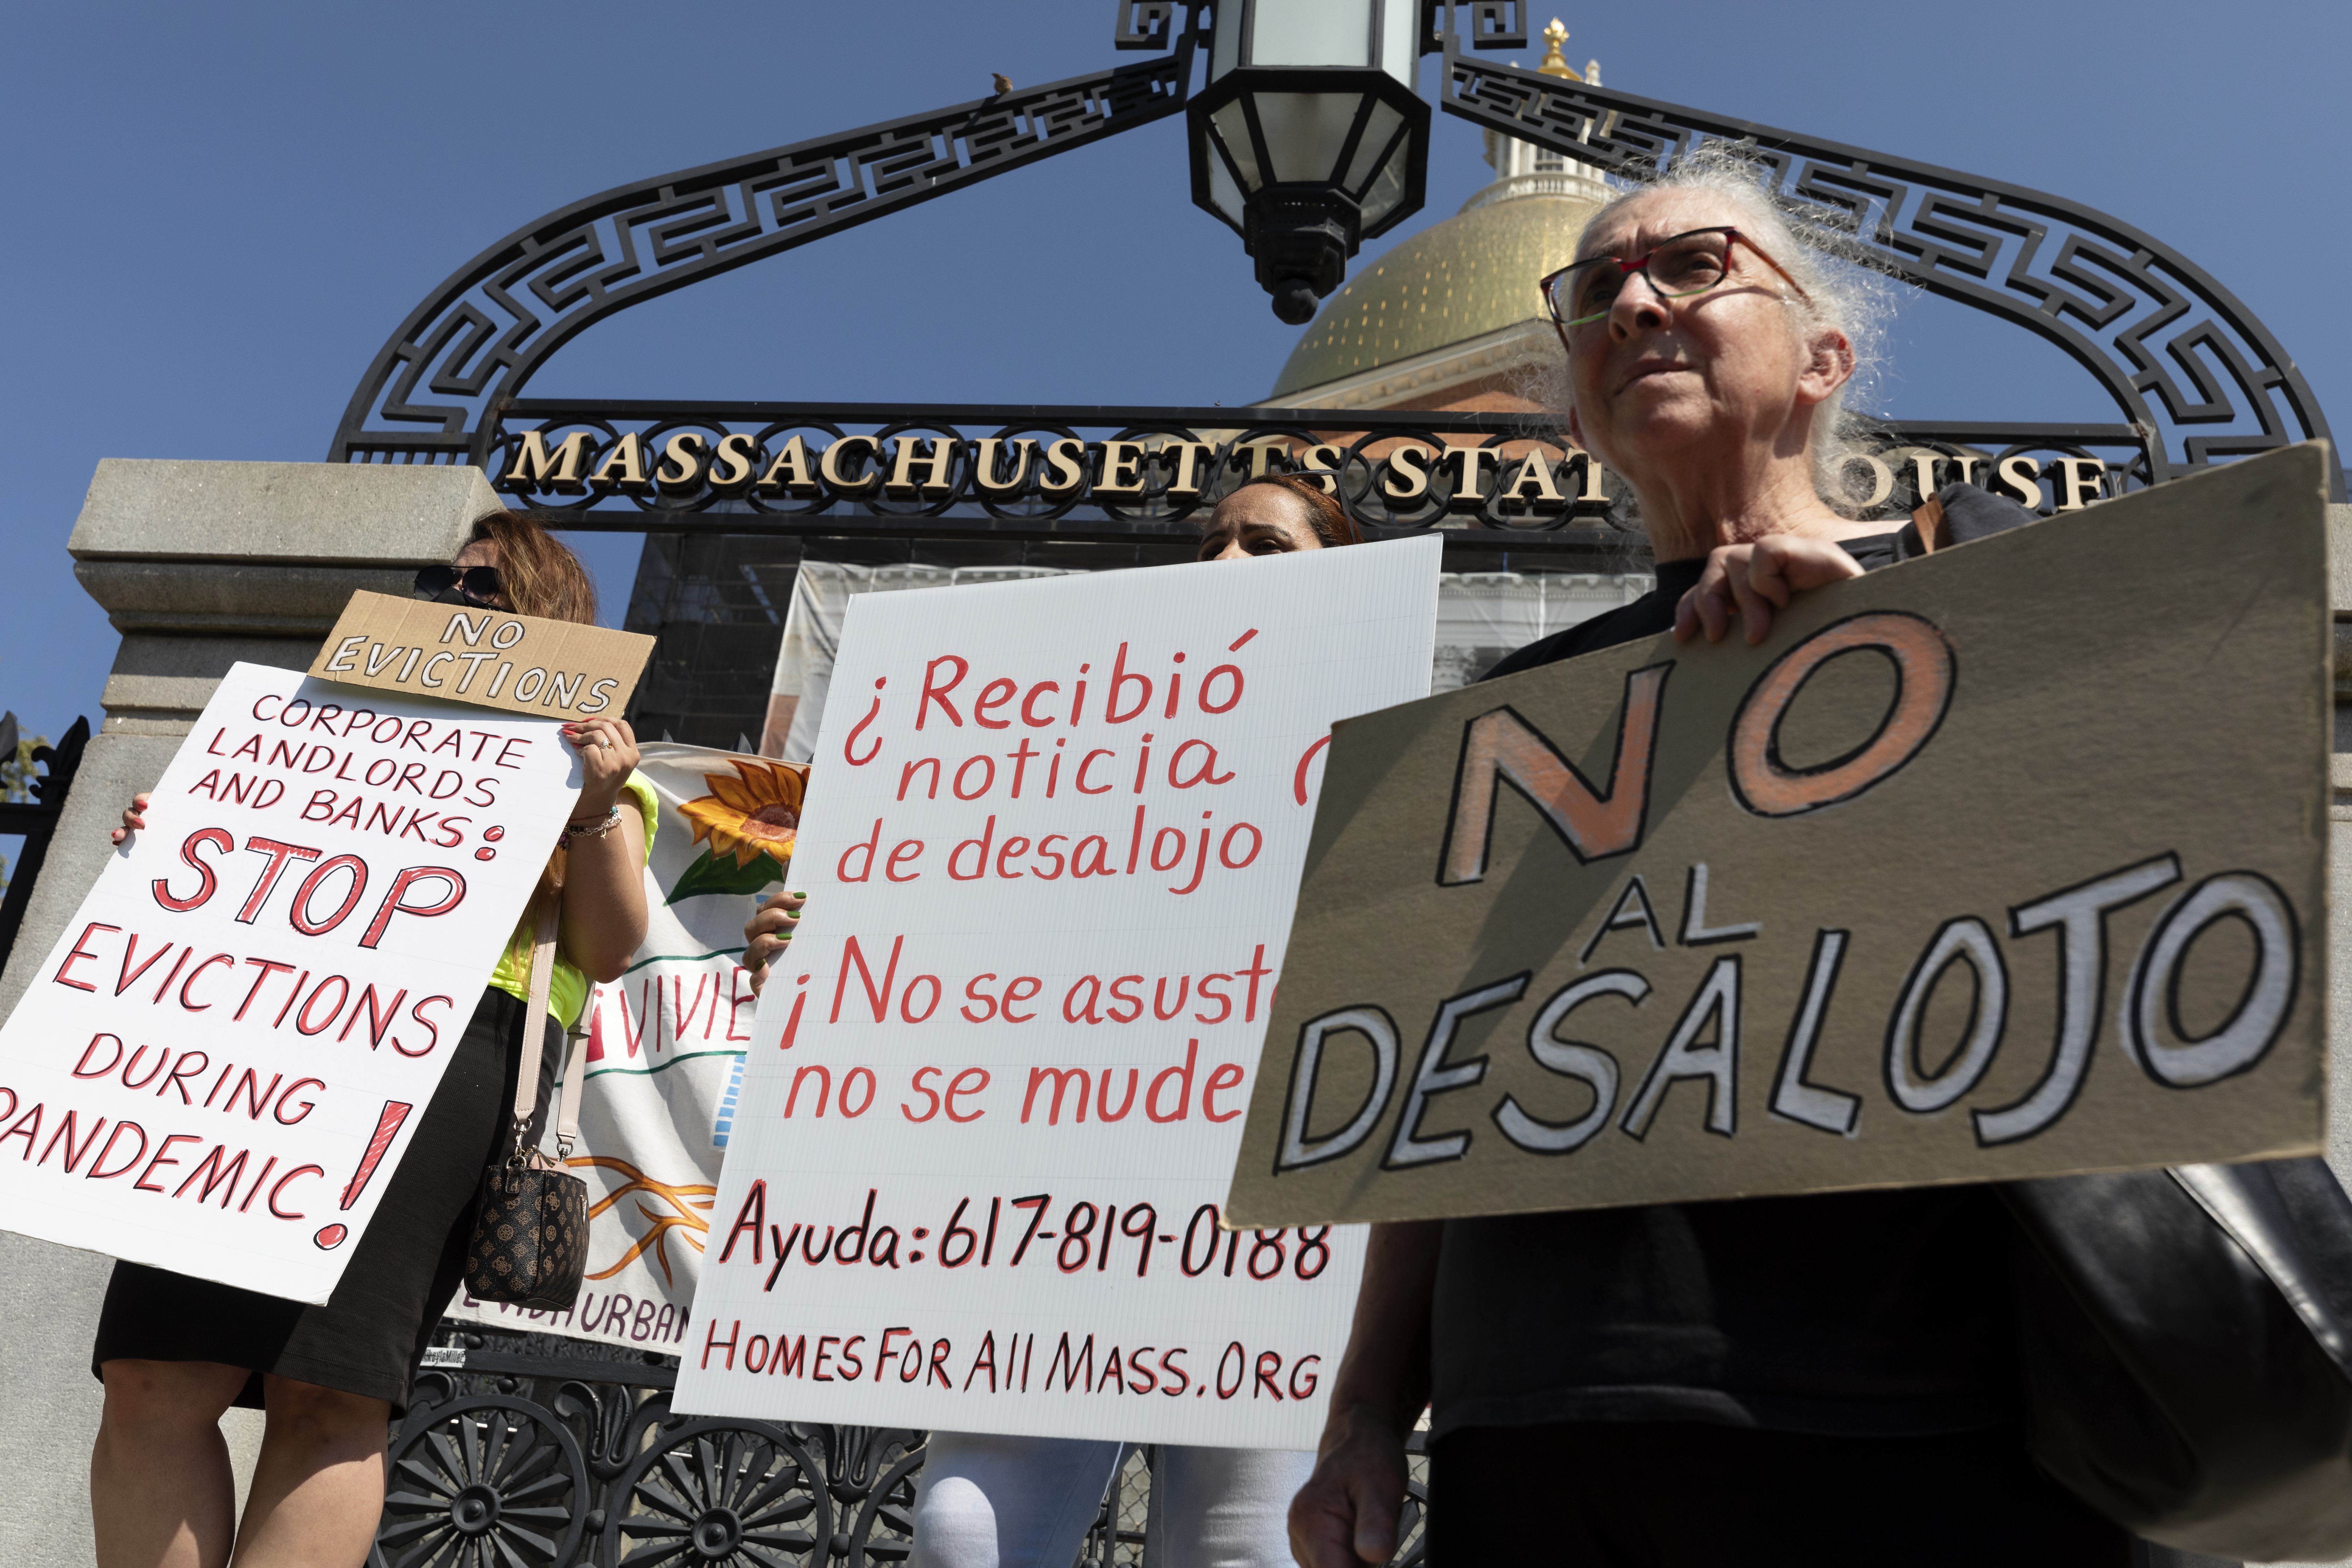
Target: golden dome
{"type": "Point", "coordinates": [1464, 279]}
{"type": "Point", "coordinates": [1474, 273]}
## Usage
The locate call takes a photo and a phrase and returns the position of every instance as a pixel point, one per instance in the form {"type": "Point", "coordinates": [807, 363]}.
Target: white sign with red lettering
{"type": "Point", "coordinates": [224, 1057]}
{"type": "Point", "coordinates": [995, 1090]}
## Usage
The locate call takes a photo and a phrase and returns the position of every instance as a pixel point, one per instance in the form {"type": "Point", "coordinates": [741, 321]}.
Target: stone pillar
{"type": "Point", "coordinates": [199, 565]}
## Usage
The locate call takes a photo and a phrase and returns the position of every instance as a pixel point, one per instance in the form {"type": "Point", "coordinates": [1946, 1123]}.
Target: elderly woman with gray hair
{"type": "Point", "coordinates": [1825, 1379]}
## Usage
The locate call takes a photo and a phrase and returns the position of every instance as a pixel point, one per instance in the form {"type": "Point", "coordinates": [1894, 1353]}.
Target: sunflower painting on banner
{"type": "Point", "coordinates": [664, 1048]}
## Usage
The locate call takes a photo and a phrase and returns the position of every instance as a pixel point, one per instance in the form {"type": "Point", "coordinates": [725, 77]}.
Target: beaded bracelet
{"type": "Point", "coordinates": [603, 824]}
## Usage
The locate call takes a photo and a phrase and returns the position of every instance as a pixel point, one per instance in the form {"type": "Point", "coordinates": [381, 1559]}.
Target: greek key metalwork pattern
{"type": "Point", "coordinates": [1145, 23]}
{"type": "Point", "coordinates": [528, 1451]}
{"type": "Point", "coordinates": [2180, 354]}
{"type": "Point", "coordinates": [475, 343]}
{"type": "Point", "coordinates": [1485, 481]}
{"type": "Point", "coordinates": [2195, 377]}
{"type": "Point", "coordinates": [1492, 24]}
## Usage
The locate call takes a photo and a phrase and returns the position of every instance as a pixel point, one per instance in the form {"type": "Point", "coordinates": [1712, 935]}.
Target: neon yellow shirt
{"type": "Point", "coordinates": [567, 987]}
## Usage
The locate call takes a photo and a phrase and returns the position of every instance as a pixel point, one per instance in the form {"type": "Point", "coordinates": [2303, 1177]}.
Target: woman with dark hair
{"type": "Point", "coordinates": [175, 1352]}
{"type": "Point", "coordinates": [991, 1500]}
{"type": "Point", "coordinates": [1275, 515]}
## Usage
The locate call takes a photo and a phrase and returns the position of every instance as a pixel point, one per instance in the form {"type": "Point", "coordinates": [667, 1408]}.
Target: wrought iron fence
{"type": "Point", "coordinates": [36, 819]}
{"type": "Point", "coordinates": [528, 1451]}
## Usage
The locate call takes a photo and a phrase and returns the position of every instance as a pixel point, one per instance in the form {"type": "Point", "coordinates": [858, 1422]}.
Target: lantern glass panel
{"type": "Point", "coordinates": [1233, 128]}
{"type": "Point", "coordinates": [1222, 191]}
{"type": "Point", "coordinates": [1305, 131]}
{"type": "Point", "coordinates": [1388, 188]}
{"type": "Point", "coordinates": [1377, 131]}
{"type": "Point", "coordinates": [1311, 32]}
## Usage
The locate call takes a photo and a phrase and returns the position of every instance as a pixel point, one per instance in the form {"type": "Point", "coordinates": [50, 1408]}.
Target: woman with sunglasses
{"type": "Point", "coordinates": [175, 1353]}
{"type": "Point", "coordinates": [991, 1500]}
{"type": "Point", "coordinates": [1820, 1379]}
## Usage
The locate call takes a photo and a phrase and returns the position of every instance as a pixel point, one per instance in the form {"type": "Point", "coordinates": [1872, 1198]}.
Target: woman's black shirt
{"type": "Point", "coordinates": [1854, 1313]}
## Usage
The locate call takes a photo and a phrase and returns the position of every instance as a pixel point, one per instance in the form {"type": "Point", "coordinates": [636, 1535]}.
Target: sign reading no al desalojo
{"type": "Point", "coordinates": [2006, 862]}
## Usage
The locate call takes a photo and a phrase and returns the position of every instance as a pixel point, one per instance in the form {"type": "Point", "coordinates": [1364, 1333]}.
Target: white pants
{"type": "Point", "coordinates": [990, 1501]}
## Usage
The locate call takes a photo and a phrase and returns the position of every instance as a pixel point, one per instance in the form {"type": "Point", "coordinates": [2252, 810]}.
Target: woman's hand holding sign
{"type": "Point", "coordinates": [602, 923]}
{"type": "Point", "coordinates": [1753, 579]}
{"type": "Point", "coordinates": [608, 752]}
{"type": "Point", "coordinates": [133, 819]}
{"type": "Point", "coordinates": [769, 932]}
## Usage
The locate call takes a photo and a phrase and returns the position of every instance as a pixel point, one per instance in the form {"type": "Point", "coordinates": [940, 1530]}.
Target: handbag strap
{"type": "Point", "coordinates": [567, 1112]}
{"type": "Point", "coordinates": [534, 1026]}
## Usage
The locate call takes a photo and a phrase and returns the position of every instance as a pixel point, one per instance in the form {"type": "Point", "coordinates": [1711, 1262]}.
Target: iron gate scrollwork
{"type": "Point", "coordinates": [481, 1482]}
{"type": "Point", "coordinates": [431, 390]}
{"type": "Point", "coordinates": [2181, 355]}
{"type": "Point", "coordinates": [37, 820]}
{"type": "Point", "coordinates": [2192, 371]}
{"type": "Point", "coordinates": [516, 1454]}
{"type": "Point", "coordinates": [526, 1451]}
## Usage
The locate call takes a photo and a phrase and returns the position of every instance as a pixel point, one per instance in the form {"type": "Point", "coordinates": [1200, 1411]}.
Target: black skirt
{"type": "Point", "coordinates": [370, 1334]}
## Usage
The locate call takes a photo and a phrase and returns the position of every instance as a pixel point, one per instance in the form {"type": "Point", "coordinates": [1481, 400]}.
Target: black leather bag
{"type": "Point", "coordinates": [2187, 1341]}
{"type": "Point", "coordinates": [530, 1246]}
{"type": "Point", "coordinates": [530, 1238]}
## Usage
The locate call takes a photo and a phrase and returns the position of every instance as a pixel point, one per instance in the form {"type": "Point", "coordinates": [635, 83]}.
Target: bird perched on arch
{"type": "Point", "coordinates": [1004, 83]}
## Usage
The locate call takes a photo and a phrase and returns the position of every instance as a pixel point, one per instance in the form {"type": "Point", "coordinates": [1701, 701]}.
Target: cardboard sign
{"type": "Point", "coordinates": [463, 653]}
{"type": "Point", "coordinates": [995, 1090]}
{"type": "Point", "coordinates": [2002, 863]}
{"type": "Point", "coordinates": [228, 1051]}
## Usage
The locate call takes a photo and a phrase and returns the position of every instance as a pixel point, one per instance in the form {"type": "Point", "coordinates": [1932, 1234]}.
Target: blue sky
{"type": "Point", "coordinates": [217, 214]}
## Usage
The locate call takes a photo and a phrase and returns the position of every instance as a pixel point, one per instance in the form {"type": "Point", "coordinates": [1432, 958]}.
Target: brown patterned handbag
{"type": "Point", "coordinates": [530, 1246]}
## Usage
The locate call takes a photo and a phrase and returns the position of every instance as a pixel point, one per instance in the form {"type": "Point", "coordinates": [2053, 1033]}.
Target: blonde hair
{"type": "Point", "coordinates": [542, 578]}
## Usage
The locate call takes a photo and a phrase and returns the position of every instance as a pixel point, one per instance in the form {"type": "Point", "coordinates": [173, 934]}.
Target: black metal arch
{"type": "Point", "coordinates": [2184, 360]}
{"type": "Point", "coordinates": [2188, 365]}
{"type": "Point", "coordinates": [433, 390]}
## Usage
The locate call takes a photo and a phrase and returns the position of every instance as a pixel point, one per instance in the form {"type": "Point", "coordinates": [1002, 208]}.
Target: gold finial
{"type": "Point", "coordinates": [1554, 63]}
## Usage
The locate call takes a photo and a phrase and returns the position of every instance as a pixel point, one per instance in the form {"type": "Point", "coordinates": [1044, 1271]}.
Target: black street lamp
{"type": "Point", "coordinates": [1309, 138]}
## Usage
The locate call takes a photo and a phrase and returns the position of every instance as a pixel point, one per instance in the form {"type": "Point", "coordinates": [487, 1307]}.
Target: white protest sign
{"type": "Point", "coordinates": [993, 1093]}
{"type": "Point", "coordinates": [225, 1055]}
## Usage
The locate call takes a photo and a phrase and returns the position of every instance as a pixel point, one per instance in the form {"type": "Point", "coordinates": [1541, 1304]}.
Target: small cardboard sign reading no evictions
{"type": "Point", "coordinates": [2007, 862]}
{"type": "Point", "coordinates": [465, 653]}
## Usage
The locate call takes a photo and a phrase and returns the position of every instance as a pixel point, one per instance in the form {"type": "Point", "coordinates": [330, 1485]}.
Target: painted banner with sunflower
{"type": "Point", "coordinates": [665, 1044]}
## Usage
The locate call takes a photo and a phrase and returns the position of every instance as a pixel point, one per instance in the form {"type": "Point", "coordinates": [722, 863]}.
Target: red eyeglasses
{"type": "Point", "coordinates": [1584, 291]}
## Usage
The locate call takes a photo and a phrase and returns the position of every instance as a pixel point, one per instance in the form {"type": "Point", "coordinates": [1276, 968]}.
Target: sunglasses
{"type": "Point", "coordinates": [477, 585]}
